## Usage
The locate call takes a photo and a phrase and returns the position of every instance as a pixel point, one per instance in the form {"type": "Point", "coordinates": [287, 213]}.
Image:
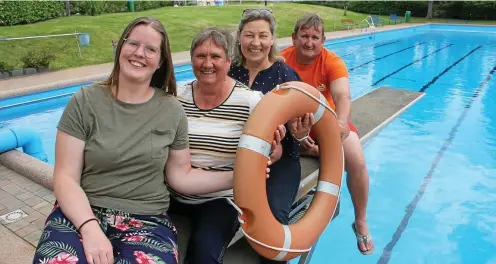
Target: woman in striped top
{"type": "Point", "coordinates": [217, 108]}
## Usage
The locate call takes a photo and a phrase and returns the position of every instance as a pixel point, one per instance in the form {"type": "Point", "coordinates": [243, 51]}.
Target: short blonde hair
{"type": "Point", "coordinates": [308, 21]}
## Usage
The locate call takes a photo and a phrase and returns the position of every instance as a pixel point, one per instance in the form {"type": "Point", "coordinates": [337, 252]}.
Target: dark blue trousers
{"type": "Point", "coordinates": [282, 187]}
{"type": "Point", "coordinates": [214, 223]}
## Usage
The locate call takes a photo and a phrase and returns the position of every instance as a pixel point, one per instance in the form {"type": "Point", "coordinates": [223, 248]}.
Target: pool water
{"type": "Point", "coordinates": [432, 170]}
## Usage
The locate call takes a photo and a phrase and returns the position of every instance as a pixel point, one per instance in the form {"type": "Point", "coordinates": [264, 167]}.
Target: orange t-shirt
{"type": "Point", "coordinates": [323, 70]}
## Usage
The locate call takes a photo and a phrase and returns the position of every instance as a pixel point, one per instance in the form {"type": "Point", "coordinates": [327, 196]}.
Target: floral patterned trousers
{"type": "Point", "coordinates": [134, 238]}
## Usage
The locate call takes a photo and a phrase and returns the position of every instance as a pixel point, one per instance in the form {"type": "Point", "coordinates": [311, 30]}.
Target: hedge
{"type": "Point", "coordinates": [94, 8]}
{"type": "Point", "coordinates": [476, 10]}
{"type": "Point", "coordinates": [25, 12]}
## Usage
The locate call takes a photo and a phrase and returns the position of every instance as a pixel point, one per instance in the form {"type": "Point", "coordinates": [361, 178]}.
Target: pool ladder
{"type": "Point", "coordinates": [370, 24]}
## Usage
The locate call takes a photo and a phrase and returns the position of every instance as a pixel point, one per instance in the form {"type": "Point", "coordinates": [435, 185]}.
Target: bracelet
{"type": "Point", "coordinates": [87, 221]}
{"type": "Point", "coordinates": [301, 139]}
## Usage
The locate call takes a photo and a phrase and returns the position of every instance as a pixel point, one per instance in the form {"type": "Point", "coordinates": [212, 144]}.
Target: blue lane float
{"type": "Point", "coordinates": [24, 138]}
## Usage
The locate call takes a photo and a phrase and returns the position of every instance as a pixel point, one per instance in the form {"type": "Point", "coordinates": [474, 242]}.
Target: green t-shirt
{"type": "Point", "coordinates": [127, 146]}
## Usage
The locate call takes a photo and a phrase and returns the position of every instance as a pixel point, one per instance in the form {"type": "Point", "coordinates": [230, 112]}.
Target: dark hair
{"type": "Point", "coordinates": [164, 77]}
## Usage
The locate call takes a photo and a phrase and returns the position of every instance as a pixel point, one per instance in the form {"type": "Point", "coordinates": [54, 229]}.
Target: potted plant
{"type": "Point", "coordinates": [44, 60]}
{"type": "Point", "coordinates": [16, 72]}
{"type": "Point", "coordinates": [30, 62]}
{"type": "Point", "coordinates": [4, 70]}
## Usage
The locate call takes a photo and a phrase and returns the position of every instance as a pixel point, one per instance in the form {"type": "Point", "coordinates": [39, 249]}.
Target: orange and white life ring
{"type": "Point", "coordinates": [265, 234]}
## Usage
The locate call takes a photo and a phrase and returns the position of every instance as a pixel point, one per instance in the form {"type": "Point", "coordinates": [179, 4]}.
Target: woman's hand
{"type": "Point", "coordinates": [276, 150]}
{"type": "Point", "coordinates": [97, 247]}
{"type": "Point", "coordinates": [309, 148]}
{"type": "Point", "coordinates": [300, 126]}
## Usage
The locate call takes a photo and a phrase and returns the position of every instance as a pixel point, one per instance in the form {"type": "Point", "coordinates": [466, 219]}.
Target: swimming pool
{"type": "Point", "coordinates": [433, 169]}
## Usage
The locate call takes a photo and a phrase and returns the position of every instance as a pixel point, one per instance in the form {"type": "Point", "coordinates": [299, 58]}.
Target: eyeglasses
{"type": "Point", "coordinates": [261, 10]}
{"type": "Point", "coordinates": [132, 45]}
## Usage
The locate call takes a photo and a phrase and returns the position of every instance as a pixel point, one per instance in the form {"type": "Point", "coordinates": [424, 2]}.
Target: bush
{"type": "Point", "coordinates": [480, 10]}
{"type": "Point", "coordinates": [442, 9]}
{"type": "Point", "coordinates": [37, 59]}
{"type": "Point", "coordinates": [94, 8]}
{"type": "Point", "coordinates": [4, 67]}
{"type": "Point", "coordinates": [25, 12]}
{"type": "Point", "coordinates": [146, 5]}
{"type": "Point", "coordinates": [419, 8]}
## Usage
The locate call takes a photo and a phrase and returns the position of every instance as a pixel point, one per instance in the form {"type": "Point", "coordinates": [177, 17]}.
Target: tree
{"type": "Point", "coordinates": [429, 9]}
{"type": "Point", "coordinates": [68, 7]}
{"type": "Point", "coordinates": [346, 4]}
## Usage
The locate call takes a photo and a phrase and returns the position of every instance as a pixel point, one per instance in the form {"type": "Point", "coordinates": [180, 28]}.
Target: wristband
{"type": "Point", "coordinates": [301, 139]}
{"type": "Point", "coordinates": [87, 221]}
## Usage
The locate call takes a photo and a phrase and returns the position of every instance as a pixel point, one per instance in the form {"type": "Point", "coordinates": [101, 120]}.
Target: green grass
{"type": "Point", "coordinates": [182, 23]}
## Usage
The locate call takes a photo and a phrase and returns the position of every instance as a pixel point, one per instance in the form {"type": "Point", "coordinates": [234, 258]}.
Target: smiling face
{"type": "Point", "coordinates": [256, 40]}
{"type": "Point", "coordinates": [308, 43]}
{"type": "Point", "coordinates": [140, 54]}
{"type": "Point", "coordinates": [210, 63]}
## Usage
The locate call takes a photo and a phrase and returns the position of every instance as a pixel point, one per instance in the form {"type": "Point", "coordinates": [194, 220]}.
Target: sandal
{"type": "Point", "coordinates": [363, 239]}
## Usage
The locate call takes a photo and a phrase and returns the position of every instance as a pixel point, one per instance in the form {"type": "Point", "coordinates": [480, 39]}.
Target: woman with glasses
{"type": "Point", "coordinates": [257, 64]}
{"type": "Point", "coordinates": [115, 140]}
{"type": "Point", "coordinates": [217, 108]}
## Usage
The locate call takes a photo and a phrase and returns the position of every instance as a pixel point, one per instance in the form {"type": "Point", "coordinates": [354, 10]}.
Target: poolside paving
{"type": "Point", "coordinates": [24, 206]}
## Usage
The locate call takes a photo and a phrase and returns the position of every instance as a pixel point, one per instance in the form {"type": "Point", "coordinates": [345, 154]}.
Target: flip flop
{"type": "Point", "coordinates": [363, 239]}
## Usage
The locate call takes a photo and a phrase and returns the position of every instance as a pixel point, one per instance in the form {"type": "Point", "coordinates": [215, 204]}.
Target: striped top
{"type": "Point", "coordinates": [214, 134]}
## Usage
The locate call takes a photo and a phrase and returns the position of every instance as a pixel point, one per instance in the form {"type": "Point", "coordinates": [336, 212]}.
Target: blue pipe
{"type": "Point", "coordinates": [26, 138]}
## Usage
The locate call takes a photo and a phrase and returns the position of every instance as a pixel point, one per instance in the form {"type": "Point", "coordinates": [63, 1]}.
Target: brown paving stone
{"type": "Point", "coordinates": [28, 209]}
{"type": "Point", "coordinates": [40, 205]}
{"type": "Point", "coordinates": [22, 181]}
{"type": "Point", "coordinates": [33, 187]}
{"type": "Point", "coordinates": [5, 211]}
{"type": "Point", "coordinates": [33, 216]}
{"type": "Point", "coordinates": [43, 192]}
{"type": "Point", "coordinates": [34, 242]}
{"type": "Point", "coordinates": [25, 195]}
{"type": "Point", "coordinates": [17, 225]}
{"type": "Point", "coordinates": [34, 201]}
{"type": "Point", "coordinates": [40, 223]}
{"type": "Point", "coordinates": [26, 230]}
{"type": "Point", "coordinates": [14, 249]}
{"type": "Point", "coordinates": [3, 194]}
{"type": "Point", "coordinates": [5, 182]}
{"type": "Point", "coordinates": [33, 237]}
{"type": "Point", "coordinates": [49, 198]}
{"type": "Point", "coordinates": [13, 189]}
{"type": "Point", "coordinates": [9, 175]}
{"type": "Point", "coordinates": [12, 203]}
{"type": "Point", "coordinates": [45, 210]}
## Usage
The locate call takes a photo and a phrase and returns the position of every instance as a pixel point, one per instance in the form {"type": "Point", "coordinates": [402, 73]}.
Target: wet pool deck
{"type": "Point", "coordinates": [17, 192]}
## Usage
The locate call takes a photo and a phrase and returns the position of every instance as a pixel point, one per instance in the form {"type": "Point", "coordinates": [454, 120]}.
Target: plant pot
{"type": "Point", "coordinates": [28, 71]}
{"type": "Point", "coordinates": [16, 72]}
{"type": "Point", "coordinates": [43, 69]}
{"type": "Point", "coordinates": [4, 75]}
